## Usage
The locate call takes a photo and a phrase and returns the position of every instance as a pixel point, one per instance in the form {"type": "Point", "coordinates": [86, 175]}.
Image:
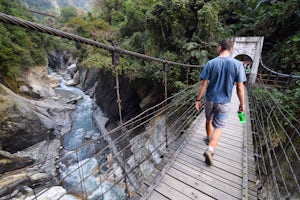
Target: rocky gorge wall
{"type": "Point", "coordinates": [33, 121]}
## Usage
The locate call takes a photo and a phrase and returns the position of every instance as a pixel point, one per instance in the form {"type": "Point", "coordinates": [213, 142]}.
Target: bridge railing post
{"type": "Point", "coordinates": [115, 63]}
{"type": "Point", "coordinates": [165, 70]}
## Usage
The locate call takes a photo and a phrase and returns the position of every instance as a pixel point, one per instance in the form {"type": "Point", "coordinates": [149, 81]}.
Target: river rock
{"type": "Point", "coordinates": [23, 89]}
{"type": "Point", "coordinates": [12, 185]}
{"type": "Point", "coordinates": [26, 122]}
{"type": "Point", "coordinates": [74, 81]}
{"type": "Point", "coordinates": [149, 143]}
{"type": "Point", "coordinates": [88, 80]}
{"type": "Point", "coordinates": [38, 82]}
{"type": "Point", "coordinates": [9, 162]}
{"type": "Point", "coordinates": [74, 100]}
{"type": "Point", "coordinates": [45, 153]}
{"type": "Point", "coordinates": [54, 81]}
{"type": "Point", "coordinates": [22, 125]}
{"type": "Point", "coordinates": [53, 193]}
{"type": "Point", "coordinates": [72, 69]}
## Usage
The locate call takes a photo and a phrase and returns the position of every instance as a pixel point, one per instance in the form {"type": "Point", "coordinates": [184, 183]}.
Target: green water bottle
{"type": "Point", "coordinates": [242, 117]}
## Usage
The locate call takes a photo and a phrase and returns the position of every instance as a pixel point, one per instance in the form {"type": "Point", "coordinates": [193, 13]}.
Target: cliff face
{"type": "Point", "coordinates": [136, 96]}
{"type": "Point", "coordinates": [21, 124]}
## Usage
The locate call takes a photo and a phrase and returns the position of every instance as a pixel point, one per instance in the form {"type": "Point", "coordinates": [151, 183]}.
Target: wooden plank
{"type": "Point", "coordinates": [236, 192]}
{"type": "Point", "coordinates": [209, 190]}
{"type": "Point", "coordinates": [184, 189]}
{"type": "Point", "coordinates": [217, 170]}
{"type": "Point", "coordinates": [157, 196]}
{"type": "Point", "coordinates": [224, 140]}
{"type": "Point", "coordinates": [169, 192]}
{"type": "Point", "coordinates": [221, 141]}
{"type": "Point", "coordinates": [229, 132]}
{"type": "Point", "coordinates": [218, 160]}
{"type": "Point", "coordinates": [214, 174]}
{"type": "Point", "coordinates": [218, 151]}
{"type": "Point", "coordinates": [190, 178]}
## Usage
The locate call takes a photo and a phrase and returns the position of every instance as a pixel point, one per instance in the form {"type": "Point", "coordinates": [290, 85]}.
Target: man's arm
{"type": "Point", "coordinates": [201, 92]}
{"type": "Point", "coordinates": [241, 95]}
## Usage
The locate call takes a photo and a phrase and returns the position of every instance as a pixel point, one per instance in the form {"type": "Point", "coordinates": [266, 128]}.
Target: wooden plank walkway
{"type": "Point", "coordinates": [188, 177]}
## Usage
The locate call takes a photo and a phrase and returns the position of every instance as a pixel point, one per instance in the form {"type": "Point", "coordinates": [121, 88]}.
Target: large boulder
{"type": "Point", "coordinates": [54, 81]}
{"type": "Point", "coordinates": [88, 79]}
{"type": "Point", "coordinates": [37, 83]}
{"type": "Point", "coordinates": [75, 80]}
{"type": "Point", "coordinates": [23, 122]}
{"type": "Point", "coordinates": [20, 124]}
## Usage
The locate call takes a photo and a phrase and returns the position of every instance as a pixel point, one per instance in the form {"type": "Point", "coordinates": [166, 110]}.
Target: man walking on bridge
{"type": "Point", "coordinates": [217, 79]}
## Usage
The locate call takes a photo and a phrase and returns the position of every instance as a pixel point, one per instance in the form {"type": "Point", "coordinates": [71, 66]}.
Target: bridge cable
{"type": "Point", "coordinates": [52, 31]}
{"type": "Point", "coordinates": [278, 73]}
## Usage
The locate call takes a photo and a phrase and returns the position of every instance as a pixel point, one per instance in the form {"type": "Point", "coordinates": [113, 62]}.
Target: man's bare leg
{"type": "Point", "coordinates": [209, 128]}
{"type": "Point", "coordinates": [215, 137]}
{"type": "Point", "coordinates": [208, 154]}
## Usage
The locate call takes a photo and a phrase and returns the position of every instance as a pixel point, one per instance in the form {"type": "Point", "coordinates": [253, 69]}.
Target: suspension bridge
{"type": "Point", "coordinates": [256, 160]}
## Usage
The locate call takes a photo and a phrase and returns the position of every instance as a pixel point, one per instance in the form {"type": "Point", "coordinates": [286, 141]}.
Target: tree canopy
{"type": "Point", "coordinates": [179, 30]}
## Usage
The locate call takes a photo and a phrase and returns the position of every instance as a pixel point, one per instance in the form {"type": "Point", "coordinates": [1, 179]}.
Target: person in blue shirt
{"type": "Point", "coordinates": [217, 79]}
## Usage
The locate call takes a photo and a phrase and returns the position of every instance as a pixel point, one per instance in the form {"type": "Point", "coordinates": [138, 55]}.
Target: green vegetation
{"type": "Point", "coordinates": [19, 48]}
{"type": "Point", "coordinates": [178, 30]}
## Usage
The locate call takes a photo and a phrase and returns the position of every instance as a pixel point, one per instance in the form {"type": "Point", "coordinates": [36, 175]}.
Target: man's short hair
{"type": "Point", "coordinates": [225, 44]}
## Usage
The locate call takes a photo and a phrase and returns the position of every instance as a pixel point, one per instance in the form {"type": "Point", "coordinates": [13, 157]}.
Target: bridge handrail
{"type": "Point", "coordinates": [275, 145]}
{"type": "Point", "coordinates": [278, 73]}
{"type": "Point", "coordinates": [52, 31]}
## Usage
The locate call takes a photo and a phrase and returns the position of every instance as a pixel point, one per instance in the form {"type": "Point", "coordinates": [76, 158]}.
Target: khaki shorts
{"type": "Point", "coordinates": [217, 112]}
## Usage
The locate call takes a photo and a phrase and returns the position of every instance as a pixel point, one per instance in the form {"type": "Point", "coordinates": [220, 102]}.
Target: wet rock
{"type": "Point", "coordinates": [74, 81]}
{"type": "Point", "coordinates": [74, 100]}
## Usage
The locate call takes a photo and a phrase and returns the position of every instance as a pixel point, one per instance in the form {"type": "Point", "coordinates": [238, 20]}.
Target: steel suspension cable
{"type": "Point", "coordinates": [268, 116]}
{"type": "Point", "coordinates": [52, 31]}
{"type": "Point", "coordinates": [271, 122]}
{"type": "Point", "coordinates": [278, 73]}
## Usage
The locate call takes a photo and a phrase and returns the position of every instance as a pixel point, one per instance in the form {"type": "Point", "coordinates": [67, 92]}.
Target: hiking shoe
{"type": "Point", "coordinates": [208, 157]}
{"type": "Point", "coordinates": [206, 140]}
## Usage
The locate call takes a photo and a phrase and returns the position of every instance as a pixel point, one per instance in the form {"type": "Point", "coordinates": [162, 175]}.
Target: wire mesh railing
{"type": "Point", "coordinates": [272, 78]}
{"type": "Point", "coordinates": [163, 123]}
{"type": "Point", "coordinates": [276, 139]}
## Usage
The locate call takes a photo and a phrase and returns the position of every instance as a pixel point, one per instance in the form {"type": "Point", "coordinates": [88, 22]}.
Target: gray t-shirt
{"type": "Point", "coordinates": [222, 73]}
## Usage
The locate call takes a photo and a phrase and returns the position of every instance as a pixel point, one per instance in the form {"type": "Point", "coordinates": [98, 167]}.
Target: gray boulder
{"type": "Point", "coordinates": [9, 162]}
